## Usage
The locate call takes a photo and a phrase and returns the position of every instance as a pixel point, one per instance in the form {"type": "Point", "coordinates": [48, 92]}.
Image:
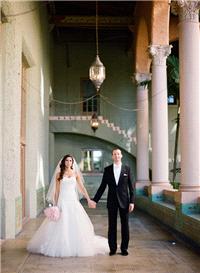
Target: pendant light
{"type": "Point", "coordinates": [97, 73]}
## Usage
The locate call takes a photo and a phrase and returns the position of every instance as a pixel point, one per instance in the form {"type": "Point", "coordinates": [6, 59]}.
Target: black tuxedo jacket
{"type": "Point", "coordinates": [121, 194]}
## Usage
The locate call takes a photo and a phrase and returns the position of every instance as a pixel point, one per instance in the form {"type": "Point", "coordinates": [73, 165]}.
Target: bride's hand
{"type": "Point", "coordinates": [91, 204]}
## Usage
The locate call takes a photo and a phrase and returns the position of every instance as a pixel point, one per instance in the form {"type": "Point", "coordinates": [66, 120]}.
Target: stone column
{"type": "Point", "coordinates": [160, 165]}
{"type": "Point", "coordinates": [1, 126]}
{"type": "Point", "coordinates": [142, 131]}
{"type": "Point", "coordinates": [189, 52]}
{"type": "Point", "coordinates": [10, 164]}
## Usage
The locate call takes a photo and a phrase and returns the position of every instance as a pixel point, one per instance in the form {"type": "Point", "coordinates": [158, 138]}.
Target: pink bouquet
{"type": "Point", "coordinates": [52, 213]}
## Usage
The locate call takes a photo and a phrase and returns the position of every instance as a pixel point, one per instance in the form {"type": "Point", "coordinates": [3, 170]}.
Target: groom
{"type": "Point", "coordinates": [120, 198]}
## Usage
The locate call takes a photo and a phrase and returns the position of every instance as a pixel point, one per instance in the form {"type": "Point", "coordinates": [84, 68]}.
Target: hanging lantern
{"type": "Point", "coordinates": [94, 122]}
{"type": "Point", "coordinates": [97, 72]}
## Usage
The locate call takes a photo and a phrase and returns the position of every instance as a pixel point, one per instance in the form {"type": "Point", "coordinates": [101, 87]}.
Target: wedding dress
{"type": "Point", "coordinates": [73, 234]}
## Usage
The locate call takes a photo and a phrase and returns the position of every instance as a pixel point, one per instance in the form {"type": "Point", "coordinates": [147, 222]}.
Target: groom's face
{"type": "Point", "coordinates": [117, 156]}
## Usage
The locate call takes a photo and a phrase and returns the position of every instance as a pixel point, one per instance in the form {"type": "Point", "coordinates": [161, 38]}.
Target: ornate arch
{"type": "Point", "coordinates": [142, 37]}
{"type": "Point", "coordinates": [160, 22]}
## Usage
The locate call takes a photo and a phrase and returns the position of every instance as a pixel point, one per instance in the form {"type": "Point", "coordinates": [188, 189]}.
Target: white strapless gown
{"type": "Point", "coordinates": [73, 234]}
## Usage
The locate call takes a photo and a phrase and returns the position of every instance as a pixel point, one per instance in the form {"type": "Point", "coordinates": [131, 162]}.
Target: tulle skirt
{"type": "Point", "coordinates": [72, 235]}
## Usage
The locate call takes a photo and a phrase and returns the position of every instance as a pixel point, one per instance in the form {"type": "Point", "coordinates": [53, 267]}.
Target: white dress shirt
{"type": "Point", "coordinates": [117, 171]}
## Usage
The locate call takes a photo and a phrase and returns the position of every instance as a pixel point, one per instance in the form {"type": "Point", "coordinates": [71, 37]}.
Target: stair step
{"type": "Point", "coordinates": [101, 119]}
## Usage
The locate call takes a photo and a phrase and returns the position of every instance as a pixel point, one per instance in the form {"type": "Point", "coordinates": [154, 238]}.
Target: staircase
{"type": "Point", "coordinates": [107, 130]}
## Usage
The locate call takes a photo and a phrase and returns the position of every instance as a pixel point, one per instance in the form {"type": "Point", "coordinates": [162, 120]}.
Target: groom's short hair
{"type": "Point", "coordinates": [116, 148]}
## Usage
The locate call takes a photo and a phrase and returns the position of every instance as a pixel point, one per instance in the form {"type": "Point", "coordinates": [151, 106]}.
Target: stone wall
{"type": "Point", "coordinates": [25, 33]}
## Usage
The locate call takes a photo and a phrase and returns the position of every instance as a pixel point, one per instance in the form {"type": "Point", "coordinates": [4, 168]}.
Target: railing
{"type": "Point", "coordinates": [124, 118]}
{"type": "Point", "coordinates": [85, 107]}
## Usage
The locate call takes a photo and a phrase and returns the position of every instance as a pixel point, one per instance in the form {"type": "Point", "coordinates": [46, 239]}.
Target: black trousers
{"type": "Point", "coordinates": [112, 228]}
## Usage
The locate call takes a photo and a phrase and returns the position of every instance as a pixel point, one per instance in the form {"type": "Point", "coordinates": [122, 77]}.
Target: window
{"type": "Point", "coordinates": [88, 91]}
{"type": "Point", "coordinates": [92, 160]}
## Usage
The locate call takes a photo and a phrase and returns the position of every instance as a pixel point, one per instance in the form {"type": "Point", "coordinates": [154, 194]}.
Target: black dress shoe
{"type": "Point", "coordinates": [124, 253]}
{"type": "Point", "coordinates": [112, 252]}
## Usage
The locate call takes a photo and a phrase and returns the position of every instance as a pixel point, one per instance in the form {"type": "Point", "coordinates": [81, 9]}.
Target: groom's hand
{"type": "Point", "coordinates": [131, 207]}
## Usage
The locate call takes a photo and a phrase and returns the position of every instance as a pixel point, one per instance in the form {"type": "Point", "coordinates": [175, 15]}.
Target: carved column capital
{"type": "Point", "coordinates": [160, 53]}
{"type": "Point", "coordinates": [174, 7]}
{"type": "Point", "coordinates": [188, 10]}
{"type": "Point", "coordinates": [141, 79]}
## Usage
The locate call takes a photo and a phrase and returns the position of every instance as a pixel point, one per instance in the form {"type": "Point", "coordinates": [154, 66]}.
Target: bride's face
{"type": "Point", "coordinates": [68, 162]}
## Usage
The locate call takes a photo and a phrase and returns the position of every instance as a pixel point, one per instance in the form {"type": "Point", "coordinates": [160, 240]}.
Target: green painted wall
{"type": "Point", "coordinates": [74, 143]}
{"type": "Point", "coordinates": [72, 63]}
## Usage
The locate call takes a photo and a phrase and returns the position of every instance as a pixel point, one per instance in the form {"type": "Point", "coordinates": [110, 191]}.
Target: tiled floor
{"type": "Point", "coordinates": [152, 249]}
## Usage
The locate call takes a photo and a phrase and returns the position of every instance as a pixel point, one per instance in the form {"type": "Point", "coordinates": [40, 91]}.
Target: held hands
{"type": "Point", "coordinates": [91, 204]}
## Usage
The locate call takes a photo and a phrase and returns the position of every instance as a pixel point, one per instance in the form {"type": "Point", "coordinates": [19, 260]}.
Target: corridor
{"type": "Point", "coordinates": [152, 249]}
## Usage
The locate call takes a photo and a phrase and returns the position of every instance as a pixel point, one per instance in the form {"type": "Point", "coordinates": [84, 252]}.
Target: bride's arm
{"type": "Point", "coordinates": [57, 189]}
{"type": "Point", "coordinates": [82, 188]}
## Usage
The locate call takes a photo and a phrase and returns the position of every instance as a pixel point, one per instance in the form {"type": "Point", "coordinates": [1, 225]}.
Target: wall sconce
{"type": "Point", "coordinates": [94, 123]}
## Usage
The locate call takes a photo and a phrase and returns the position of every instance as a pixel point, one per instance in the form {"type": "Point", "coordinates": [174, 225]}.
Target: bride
{"type": "Point", "coordinates": [73, 234]}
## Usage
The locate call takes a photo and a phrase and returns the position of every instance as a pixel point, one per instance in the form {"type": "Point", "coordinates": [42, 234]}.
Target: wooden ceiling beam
{"type": "Point", "coordinates": [90, 21]}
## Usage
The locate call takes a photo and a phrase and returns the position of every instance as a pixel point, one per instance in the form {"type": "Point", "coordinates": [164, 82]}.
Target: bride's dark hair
{"type": "Point", "coordinates": [62, 166]}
